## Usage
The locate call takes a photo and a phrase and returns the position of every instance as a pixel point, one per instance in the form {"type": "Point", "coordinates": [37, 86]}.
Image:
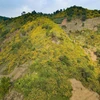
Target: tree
{"type": "Point", "coordinates": [33, 12]}
{"type": "Point", "coordinates": [23, 13]}
{"type": "Point", "coordinates": [84, 17]}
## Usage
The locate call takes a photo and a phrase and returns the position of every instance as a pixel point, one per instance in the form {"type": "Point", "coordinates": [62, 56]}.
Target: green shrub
{"type": "Point", "coordinates": [92, 36]}
{"type": "Point", "coordinates": [69, 19]}
{"type": "Point", "coordinates": [64, 26]}
{"type": "Point", "coordinates": [15, 47]}
{"type": "Point", "coordinates": [4, 86]}
{"type": "Point", "coordinates": [82, 24]}
{"type": "Point", "coordinates": [99, 78]}
{"type": "Point", "coordinates": [4, 33]}
{"type": "Point", "coordinates": [47, 27]}
{"type": "Point", "coordinates": [25, 84]}
{"type": "Point", "coordinates": [84, 17]}
{"type": "Point", "coordinates": [58, 20]}
{"type": "Point", "coordinates": [91, 67]}
{"type": "Point", "coordinates": [98, 60]}
{"type": "Point", "coordinates": [86, 73]}
{"type": "Point", "coordinates": [75, 23]}
{"type": "Point", "coordinates": [23, 32]}
{"type": "Point", "coordinates": [98, 28]}
{"type": "Point", "coordinates": [65, 60]}
{"type": "Point", "coordinates": [97, 53]}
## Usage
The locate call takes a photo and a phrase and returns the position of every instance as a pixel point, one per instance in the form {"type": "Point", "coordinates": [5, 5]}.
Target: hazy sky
{"type": "Point", "coordinates": [12, 8]}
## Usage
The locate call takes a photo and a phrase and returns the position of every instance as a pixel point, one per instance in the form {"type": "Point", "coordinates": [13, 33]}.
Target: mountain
{"type": "Point", "coordinates": [38, 59]}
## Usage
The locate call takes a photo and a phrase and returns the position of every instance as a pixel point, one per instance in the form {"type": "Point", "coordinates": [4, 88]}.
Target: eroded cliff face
{"type": "Point", "coordinates": [79, 25]}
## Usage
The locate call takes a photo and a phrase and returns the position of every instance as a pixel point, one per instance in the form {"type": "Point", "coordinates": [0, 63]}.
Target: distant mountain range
{"type": "Point", "coordinates": [70, 13]}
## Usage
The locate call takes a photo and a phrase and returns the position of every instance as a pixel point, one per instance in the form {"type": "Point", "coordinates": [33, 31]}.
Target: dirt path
{"type": "Point", "coordinates": [81, 93]}
{"type": "Point", "coordinates": [17, 72]}
{"type": "Point", "coordinates": [64, 22]}
{"type": "Point", "coordinates": [13, 95]}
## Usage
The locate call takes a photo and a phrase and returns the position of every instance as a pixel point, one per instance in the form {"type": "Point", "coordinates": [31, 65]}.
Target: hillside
{"type": "Point", "coordinates": [79, 25]}
{"type": "Point", "coordinates": [38, 59]}
{"type": "Point", "coordinates": [3, 18]}
{"type": "Point", "coordinates": [86, 34]}
{"type": "Point", "coordinates": [74, 12]}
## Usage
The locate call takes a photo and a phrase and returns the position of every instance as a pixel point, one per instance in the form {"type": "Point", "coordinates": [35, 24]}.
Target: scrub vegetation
{"type": "Point", "coordinates": [51, 56]}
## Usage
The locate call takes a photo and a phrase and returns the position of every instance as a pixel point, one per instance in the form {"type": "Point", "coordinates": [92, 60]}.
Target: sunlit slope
{"type": "Point", "coordinates": [51, 58]}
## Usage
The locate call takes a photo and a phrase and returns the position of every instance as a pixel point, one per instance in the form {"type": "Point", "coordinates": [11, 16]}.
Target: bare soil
{"type": "Point", "coordinates": [81, 93]}
{"type": "Point", "coordinates": [79, 25]}
{"type": "Point", "coordinates": [91, 53]}
{"type": "Point", "coordinates": [13, 95]}
{"type": "Point", "coordinates": [17, 73]}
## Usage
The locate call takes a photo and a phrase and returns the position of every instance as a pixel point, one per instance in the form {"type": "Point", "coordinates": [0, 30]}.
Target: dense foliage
{"type": "Point", "coordinates": [4, 86]}
{"type": "Point", "coordinates": [3, 18]}
{"type": "Point", "coordinates": [73, 13]}
{"type": "Point", "coordinates": [50, 57]}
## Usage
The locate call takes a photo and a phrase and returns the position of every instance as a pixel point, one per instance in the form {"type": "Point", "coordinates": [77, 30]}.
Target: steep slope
{"type": "Point", "coordinates": [89, 40]}
{"type": "Point", "coordinates": [13, 24]}
{"type": "Point", "coordinates": [50, 59]}
{"type": "Point", "coordinates": [79, 25]}
{"type": "Point", "coordinates": [87, 35]}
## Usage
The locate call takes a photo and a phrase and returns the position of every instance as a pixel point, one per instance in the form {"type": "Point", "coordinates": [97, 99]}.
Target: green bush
{"type": "Point", "coordinates": [92, 36]}
{"type": "Point", "coordinates": [69, 19]}
{"type": "Point", "coordinates": [15, 47]}
{"type": "Point", "coordinates": [4, 86]}
{"type": "Point", "coordinates": [86, 73]}
{"type": "Point", "coordinates": [84, 17]}
{"type": "Point", "coordinates": [4, 33]}
{"type": "Point", "coordinates": [99, 78]}
{"type": "Point", "coordinates": [58, 20]}
{"type": "Point", "coordinates": [25, 84]}
{"type": "Point", "coordinates": [97, 53]}
{"type": "Point", "coordinates": [65, 60]}
{"type": "Point", "coordinates": [82, 24]}
{"type": "Point", "coordinates": [98, 28]}
{"type": "Point", "coordinates": [64, 26]}
{"type": "Point", "coordinates": [48, 27]}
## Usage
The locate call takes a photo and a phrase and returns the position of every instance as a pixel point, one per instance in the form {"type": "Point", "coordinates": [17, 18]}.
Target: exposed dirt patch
{"type": "Point", "coordinates": [2, 68]}
{"type": "Point", "coordinates": [81, 93]}
{"type": "Point", "coordinates": [64, 22]}
{"type": "Point", "coordinates": [13, 95]}
{"type": "Point", "coordinates": [56, 42]}
{"type": "Point", "coordinates": [17, 73]}
{"type": "Point", "coordinates": [79, 25]}
{"type": "Point", "coordinates": [10, 37]}
{"type": "Point", "coordinates": [91, 53]}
